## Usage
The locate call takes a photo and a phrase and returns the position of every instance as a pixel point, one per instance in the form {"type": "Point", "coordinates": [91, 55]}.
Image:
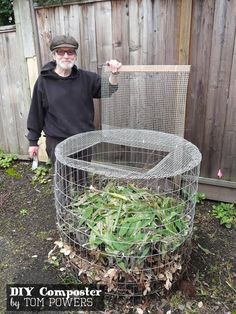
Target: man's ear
{"type": "Point", "coordinates": [53, 55]}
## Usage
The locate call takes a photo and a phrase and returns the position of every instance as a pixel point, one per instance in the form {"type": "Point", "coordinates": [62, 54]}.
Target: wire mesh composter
{"type": "Point", "coordinates": [125, 201]}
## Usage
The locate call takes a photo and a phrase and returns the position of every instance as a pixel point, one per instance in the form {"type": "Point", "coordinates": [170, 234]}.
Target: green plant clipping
{"type": "Point", "coordinates": [24, 212]}
{"type": "Point", "coordinates": [226, 213]}
{"type": "Point", "coordinates": [130, 221]}
{"type": "Point", "coordinates": [6, 160]}
{"type": "Point", "coordinates": [41, 175]}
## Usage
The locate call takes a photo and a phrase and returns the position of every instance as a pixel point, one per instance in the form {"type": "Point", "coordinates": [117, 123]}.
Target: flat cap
{"type": "Point", "coordinates": [63, 41]}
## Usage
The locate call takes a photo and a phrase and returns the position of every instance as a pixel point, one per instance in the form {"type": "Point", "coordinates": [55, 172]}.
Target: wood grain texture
{"type": "Point", "coordinates": [200, 58]}
{"type": "Point", "coordinates": [228, 149]}
{"type": "Point", "coordinates": [16, 47]}
{"type": "Point", "coordinates": [12, 103]}
{"type": "Point", "coordinates": [184, 31]}
{"type": "Point", "coordinates": [153, 68]}
{"type": "Point", "coordinates": [218, 91]}
{"type": "Point", "coordinates": [103, 32]}
{"type": "Point", "coordinates": [120, 31]}
{"type": "Point", "coordinates": [217, 190]}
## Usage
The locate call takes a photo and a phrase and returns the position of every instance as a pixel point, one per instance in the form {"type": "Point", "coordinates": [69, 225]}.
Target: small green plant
{"type": "Point", "coordinates": [55, 261]}
{"type": "Point", "coordinates": [42, 235]}
{"type": "Point", "coordinates": [226, 213]}
{"type": "Point", "coordinates": [6, 160]}
{"type": "Point", "coordinates": [24, 212]}
{"type": "Point", "coordinates": [200, 197]}
{"type": "Point", "coordinates": [13, 173]}
{"type": "Point", "coordinates": [40, 176]}
{"type": "Point", "coordinates": [45, 268]}
{"type": "Point", "coordinates": [69, 279]}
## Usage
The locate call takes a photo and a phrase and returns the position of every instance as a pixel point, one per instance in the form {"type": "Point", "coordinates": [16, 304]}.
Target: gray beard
{"type": "Point", "coordinates": [64, 66]}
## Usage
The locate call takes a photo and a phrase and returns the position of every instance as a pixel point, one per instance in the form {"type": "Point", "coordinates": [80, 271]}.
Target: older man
{"type": "Point", "coordinates": [62, 103]}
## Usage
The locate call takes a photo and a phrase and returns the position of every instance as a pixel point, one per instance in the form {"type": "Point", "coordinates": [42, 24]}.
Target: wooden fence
{"type": "Point", "coordinates": [12, 106]}
{"type": "Point", "coordinates": [18, 72]}
{"type": "Point", "coordinates": [200, 33]}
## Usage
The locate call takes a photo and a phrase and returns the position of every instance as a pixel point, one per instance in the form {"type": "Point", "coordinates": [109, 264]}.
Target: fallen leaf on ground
{"type": "Point", "coordinates": [187, 288]}
{"type": "Point", "coordinates": [139, 310]}
{"type": "Point", "coordinates": [200, 304]}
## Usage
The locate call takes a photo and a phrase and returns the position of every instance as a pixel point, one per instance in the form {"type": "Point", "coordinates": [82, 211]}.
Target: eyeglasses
{"type": "Point", "coordinates": [61, 53]}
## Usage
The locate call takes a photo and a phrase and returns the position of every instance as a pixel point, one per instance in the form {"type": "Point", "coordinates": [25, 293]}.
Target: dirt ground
{"type": "Point", "coordinates": [28, 231]}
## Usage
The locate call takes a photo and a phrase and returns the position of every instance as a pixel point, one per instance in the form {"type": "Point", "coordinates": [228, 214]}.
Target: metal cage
{"type": "Point", "coordinates": [125, 201]}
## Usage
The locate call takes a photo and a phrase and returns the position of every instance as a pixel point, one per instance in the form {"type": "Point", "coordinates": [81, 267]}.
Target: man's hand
{"type": "Point", "coordinates": [114, 66]}
{"type": "Point", "coordinates": [33, 151]}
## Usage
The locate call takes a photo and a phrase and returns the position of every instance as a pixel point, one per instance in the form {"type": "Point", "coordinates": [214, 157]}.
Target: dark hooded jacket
{"type": "Point", "coordinates": [62, 106]}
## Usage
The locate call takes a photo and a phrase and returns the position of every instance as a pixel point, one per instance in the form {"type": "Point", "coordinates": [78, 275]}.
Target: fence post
{"type": "Point", "coordinates": [26, 43]}
{"type": "Point", "coordinates": [27, 39]}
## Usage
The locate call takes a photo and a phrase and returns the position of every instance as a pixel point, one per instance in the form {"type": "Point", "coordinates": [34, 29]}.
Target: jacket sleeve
{"type": "Point", "coordinates": [107, 91]}
{"type": "Point", "coordinates": [35, 121]}
{"type": "Point", "coordinates": [96, 89]}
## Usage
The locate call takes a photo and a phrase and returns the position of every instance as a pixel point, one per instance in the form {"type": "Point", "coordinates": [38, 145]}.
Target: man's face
{"type": "Point", "coordinates": [65, 58]}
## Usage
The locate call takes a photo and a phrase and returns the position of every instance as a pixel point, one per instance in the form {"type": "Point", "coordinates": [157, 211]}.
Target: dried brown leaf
{"type": "Point", "coordinates": [139, 310]}
{"type": "Point", "coordinates": [168, 284]}
{"type": "Point", "coordinates": [60, 244]}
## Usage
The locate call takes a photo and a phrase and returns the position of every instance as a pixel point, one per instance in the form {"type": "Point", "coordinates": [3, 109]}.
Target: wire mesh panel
{"type": "Point", "coordinates": [148, 97]}
{"type": "Point", "coordinates": [125, 201]}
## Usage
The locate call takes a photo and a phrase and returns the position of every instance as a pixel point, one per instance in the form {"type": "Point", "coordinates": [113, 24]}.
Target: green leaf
{"type": "Point", "coordinates": [226, 213]}
{"type": "Point", "coordinates": [121, 265]}
{"type": "Point", "coordinates": [13, 173]}
{"type": "Point", "coordinates": [124, 220]}
{"type": "Point", "coordinates": [124, 229]}
{"type": "Point", "coordinates": [206, 251]}
{"type": "Point", "coordinates": [145, 252]}
{"type": "Point", "coordinates": [121, 246]}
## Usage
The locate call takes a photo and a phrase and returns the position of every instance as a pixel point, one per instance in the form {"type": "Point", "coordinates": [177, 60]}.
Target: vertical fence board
{"type": "Point", "coordinates": [171, 32]}
{"type": "Point", "coordinates": [92, 40]}
{"type": "Point", "coordinates": [17, 48]}
{"type": "Point", "coordinates": [221, 59]}
{"type": "Point", "coordinates": [12, 104]}
{"type": "Point", "coordinates": [200, 54]}
{"type": "Point", "coordinates": [228, 145]}
{"type": "Point", "coordinates": [120, 27]}
{"type": "Point", "coordinates": [8, 93]}
{"type": "Point", "coordinates": [103, 32]}
{"type": "Point", "coordinates": [84, 50]}
{"type": "Point", "coordinates": [45, 27]}
{"type": "Point", "coordinates": [159, 23]}
{"type": "Point", "coordinates": [214, 68]}
{"type": "Point", "coordinates": [134, 34]}
{"type": "Point", "coordinates": [165, 39]}
{"type": "Point", "coordinates": [184, 32]}
{"type": "Point", "coordinates": [28, 67]}
{"type": "Point", "coordinates": [27, 29]}
{"type": "Point", "coordinates": [146, 31]}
